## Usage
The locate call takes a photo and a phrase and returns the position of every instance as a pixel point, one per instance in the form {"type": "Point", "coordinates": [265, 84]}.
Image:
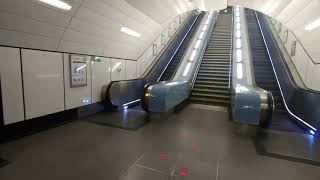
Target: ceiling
{"type": "Point", "coordinates": [93, 26]}
{"type": "Point", "coordinates": [90, 27]}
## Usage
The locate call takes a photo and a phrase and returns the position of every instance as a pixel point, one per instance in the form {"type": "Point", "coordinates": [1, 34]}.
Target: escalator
{"type": "Point", "coordinates": [125, 93]}
{"type": "Point", "coordinates": [212, 82]}
{"type": "Point", "coordinates": [174, 63]}
{"type": "Point", "coordinates": [264, 75]}
{"type": "Point", "coordinates": [262, 68]}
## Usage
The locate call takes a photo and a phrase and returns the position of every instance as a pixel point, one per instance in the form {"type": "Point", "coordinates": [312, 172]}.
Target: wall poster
{"type": "Point", "coordinates": [78, 71]}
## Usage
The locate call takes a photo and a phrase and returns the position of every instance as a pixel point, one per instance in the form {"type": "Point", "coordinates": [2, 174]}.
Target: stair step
{"type": "Point", "coordinates": [210, 96]}
{"type": "Point", "coordinates": [210, 101]}
{"type": "Point", "coordinates": [213, 84]}
{"type": "Point", "coordinates": [211, 91]}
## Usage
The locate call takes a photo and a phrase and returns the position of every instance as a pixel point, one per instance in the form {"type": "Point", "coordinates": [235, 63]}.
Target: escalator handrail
{"type": "Point", "coordinates": [280, 88]}
{"type": "Point", "coordinates": [195, 20]}
{"type": "Point", "coordinates": [193, 16]}
{"type": "Point", "coordinates": [148, 70]}
{"type": "Point", "coordinates": [184, 53]}
{"type": "Point", "coordinates": [168, 94]}
{"type": "Point", "coordinates": [179, 48]}
{"type": "Point", "coordinates": [159, 55]}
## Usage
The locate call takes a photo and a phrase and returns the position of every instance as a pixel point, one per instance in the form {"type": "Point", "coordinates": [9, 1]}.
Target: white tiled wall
{"type": "Point", "coordinates": [11, 85]}
{"type": "Point", "coordinates": [131, 70]}
{"type": "Point", "coordinates": [46, 86]}
{"type": "Point", "coordinates": [118, 68]}
{"type": "Point", "coordinates": [43, 82]}
{"type": "Point", "coordinates": [100, 77]}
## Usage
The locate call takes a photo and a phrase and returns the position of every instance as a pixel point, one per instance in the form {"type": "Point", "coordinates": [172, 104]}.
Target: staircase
{"type": "Point", "coordinates": [263, 72]}
{"type": "Point", "coordinates": [169, 72]}
{"type": "Point", "coordinates": [212, 82]}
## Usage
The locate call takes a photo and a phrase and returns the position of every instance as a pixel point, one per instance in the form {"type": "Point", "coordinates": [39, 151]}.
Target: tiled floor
{"type": "Point", "coordinates": [196, 143]}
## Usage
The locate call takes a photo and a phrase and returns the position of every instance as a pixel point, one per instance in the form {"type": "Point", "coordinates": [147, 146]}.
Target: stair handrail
{"type": "Point", "coordinates": [182, 17]}
{"type": "Point", "coordinates": [292, 52]}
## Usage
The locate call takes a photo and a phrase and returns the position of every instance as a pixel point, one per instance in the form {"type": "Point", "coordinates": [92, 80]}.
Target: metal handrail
{"type": "Point", "coordinates": [297, 40]}
{"type": "Point", "coordinates": [150, 66]}
{"type": "Point", "coordinates": [185, 52]}
{"type": "Point", "coordinates": [179, 48]}
{"type": "Point", "coordinates": [305, 86]}
{"type": "Point", "coordinates": [174, 19]}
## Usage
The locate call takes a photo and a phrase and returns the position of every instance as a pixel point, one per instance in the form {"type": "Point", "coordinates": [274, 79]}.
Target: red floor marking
{"type": "Point", "coordinates": [194, 146]}
{"type": "Point", "coordinates": [164, 154]}
{"type": "Point", "coordinates": [184, 171]}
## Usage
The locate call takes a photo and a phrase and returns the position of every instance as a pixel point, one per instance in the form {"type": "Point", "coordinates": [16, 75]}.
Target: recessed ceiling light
{"type": "Point", "coordinates": [313, 25]}
{"type": "Point", "coordinates": [58, 4]}
{"type": "Point", "coordinates": [130, 32]}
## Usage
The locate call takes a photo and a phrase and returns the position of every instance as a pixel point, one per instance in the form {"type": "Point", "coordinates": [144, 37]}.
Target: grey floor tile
{"type": "Point", "coordinates": [162, 161]}
{"type": "Point", "coordinates": [137, 173]}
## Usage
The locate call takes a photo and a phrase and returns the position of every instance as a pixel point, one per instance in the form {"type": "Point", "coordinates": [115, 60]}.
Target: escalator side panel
{"type": "Point", "coordinates": [262, 68]}
{"type": "Point", "coordinates": [303, 104]}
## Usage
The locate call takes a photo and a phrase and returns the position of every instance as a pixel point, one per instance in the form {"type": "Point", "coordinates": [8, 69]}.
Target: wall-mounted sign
{"type": "Point", "coordinates": [78, 71]}
{"type": "Point", "coordinates": [96, 59]}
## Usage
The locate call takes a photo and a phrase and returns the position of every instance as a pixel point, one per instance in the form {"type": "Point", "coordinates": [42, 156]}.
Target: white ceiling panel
{"type": "Point", "coordinates": [294, 8]}
{"type": "Point", "coordinates": [27, 25]}
{"type": "Point", "coordinates": [81, 48]}
{"type": "Point", "coordinates": [85, 14]}
{"type": "Point", "coordinates": [20, 39]}
{"type": "Point", "coordinates": [158, 10]}
{"type": "Point", "coordinates": [102, 33]}
{"type": "Point", "coordinates": [93, 26]}
{"type": "Point", "coordinates": [105, 10]}
{"type": "Point", "coordinates": [74, 3]}
{"type": "Point", "coordinates": [29, 9]}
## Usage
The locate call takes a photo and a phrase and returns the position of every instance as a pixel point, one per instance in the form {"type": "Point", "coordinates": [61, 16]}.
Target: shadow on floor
{"type": "Point", "coordinates": [129, 119]}
{"type": "Point", "coordinates": [288, 146]}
